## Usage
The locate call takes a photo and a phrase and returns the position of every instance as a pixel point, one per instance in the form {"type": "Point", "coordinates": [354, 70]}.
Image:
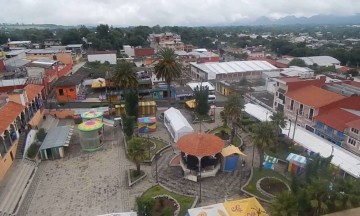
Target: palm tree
{"type": "Point", "coordinates": [125, 76]}
{"type": "Point", "coordinates": [232, 110]}
{"type": "Point", "coordinates": [279, 121]}
{"type": "Point", "coordinates": [264, 137]}
{"type": "Point", "coordinates": [286, 204]}
{"type": "Point", "coordinates": [136, 152]}
{"type": "Point", "coordinates": [167, 68]}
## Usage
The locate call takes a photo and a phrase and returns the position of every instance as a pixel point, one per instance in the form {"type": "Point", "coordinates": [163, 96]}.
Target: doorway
{"type": "Point", "coordinates": [12, 156]}
{"type": "Point", "coordinates": [49, 154]}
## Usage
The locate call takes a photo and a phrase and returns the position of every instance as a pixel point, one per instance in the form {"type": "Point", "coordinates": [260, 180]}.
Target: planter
{"type": "Point", "coordinates": [271, 186]}
{"type": "Point", "coordinates": [132, 181]}
{"type": "Point", "coordinates": [166, 201]}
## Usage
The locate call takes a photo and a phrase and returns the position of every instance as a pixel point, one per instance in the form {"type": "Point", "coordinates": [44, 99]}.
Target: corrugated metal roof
{"type": "Point", "coordinates": [56, 137]}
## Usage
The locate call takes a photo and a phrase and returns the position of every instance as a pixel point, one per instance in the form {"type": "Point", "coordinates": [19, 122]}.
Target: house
{"type": "Point", "coordinates": [22, 110]}
{"type": "Point", "coordinates": [75, 48]}
{"type": "Point", "coordinates": [70, 88]}
{"type": "Point", "coordinates": [325, 61]}
{"type": "Point", "coordinates": [142, 52]}
{"type": "Point", "coordinates": [203, 56]}
{"type": "Point", "coordinates": [52, 54]}
{"type": "Point", "coordinates": [19, 44]}
{"type": "Point", "coordinates": [303, 104]}
{"type": "Point", "coordinates": [285, 84]}
{"type": "Point", "coordinates": [102, 56]}
{"type": "Point", "coordinates": [230, 71]}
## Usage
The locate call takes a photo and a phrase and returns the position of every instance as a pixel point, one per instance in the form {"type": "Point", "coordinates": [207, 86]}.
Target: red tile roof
{"type": "Point", "coordinates": [200, 144]}
{"type": "Point", "coordinates": [8, 114]}
{"type": "Point", "coordinates": [344, 69]}
{"type": "Point", "coordinates": [354, 124]}
{"type": "Point", "coordinates": [337, 118]}
{"type": "Point", "coordinates": [314, 96]}
{"type": "Point", "coordinates": [32, 91]}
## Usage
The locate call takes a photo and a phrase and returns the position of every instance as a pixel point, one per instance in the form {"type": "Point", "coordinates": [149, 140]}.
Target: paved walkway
{"type": "Point", "coordinates": [87, 183]}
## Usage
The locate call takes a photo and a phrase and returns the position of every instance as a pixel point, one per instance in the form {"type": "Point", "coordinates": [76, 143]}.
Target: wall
{"type": "Point", "coordinates": [329, 133]}
{"type": "Point", "coordinates": [68, 94]}
{"type": "Point", "coordinates": [37, 118]}
{"type": "Point", "coordinates": [61, 114]}
{"type": "Point", "coordinates": [65, 58]}
{"type": "Point", "coordinates": [6, 162]}
{"type": "Point", "coordinates": [111, 58]}
{"type": "Point", "coordinates": [302, 118]}
{"type": "Point", "coordinates": [144, 51]}
{"type": "Point", "coordinates": [2, 65]}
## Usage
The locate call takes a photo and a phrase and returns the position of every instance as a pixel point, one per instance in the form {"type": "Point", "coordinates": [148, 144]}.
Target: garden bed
{"type": "Point", "coordinates": [158, 145]}
{"type": "Point", "coordinates": [237, 141]}
{"type": "Point", "coordinates": [271, 186]}
{"type": "Point", "coordinates": [257, 175]}
{"type": "Point", "coordinates": [133, 178]}
{"type": "Point", "coordinates": [185, 202]}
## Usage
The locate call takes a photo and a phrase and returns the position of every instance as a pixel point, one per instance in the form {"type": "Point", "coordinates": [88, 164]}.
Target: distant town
{"type": "Point", "coordinates": [242, 120]}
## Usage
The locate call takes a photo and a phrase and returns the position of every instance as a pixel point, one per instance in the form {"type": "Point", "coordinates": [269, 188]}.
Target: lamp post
{"type": "Point", "coordinates": [199, 180]}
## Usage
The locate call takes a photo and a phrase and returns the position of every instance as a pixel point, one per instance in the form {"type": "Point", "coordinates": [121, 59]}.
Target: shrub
{"type": "Point", "coordinates": [145, 205]}
{"type": "Point", "coordinates": [32, 150]}
{"type": "Point", "coordinates": [41, 134]}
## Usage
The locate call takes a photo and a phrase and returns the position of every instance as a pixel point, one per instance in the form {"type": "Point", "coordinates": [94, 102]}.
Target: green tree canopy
{"type": "Point", "coordinates": [136, 151]}
{"type": "Point", "coordinates": [264, 137]}
{"type": "Point", "coordinates": [125, 76]}
{"type": "Point", "coordinates": [201, 99]}
{"type": "Point", "coordinates": [297, 62]}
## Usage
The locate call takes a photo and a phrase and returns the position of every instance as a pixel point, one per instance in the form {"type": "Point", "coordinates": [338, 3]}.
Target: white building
{"type": "Point", "coordinates": [129, 50]}
{"type": "Point", "coordinates": [194, 85]}
{"type": "Point", "coordinates": [320, 60]}
{"type": "Point", "coordinates": [102, 56]}
{"type": "Point", "coordinates": [230, 71]}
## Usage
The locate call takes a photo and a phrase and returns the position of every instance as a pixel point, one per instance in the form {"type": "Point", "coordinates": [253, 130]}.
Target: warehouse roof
{"type": "Point", "coordinates": [320, 60]}
{"type": "Point", "coordinates": [214, 68]}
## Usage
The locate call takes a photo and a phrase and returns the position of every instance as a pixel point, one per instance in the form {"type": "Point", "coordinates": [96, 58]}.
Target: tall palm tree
{"type": "Point", "coordinates": [279, 120]}
{"type": "Point", "coordinates": [136, 151]}
{"type": "Point", "coordinates": [233, 109]}
{"type": "Point", "coordinates": [125, 76]}
{"type": "Point", "coordinates": [264, 137]}
{"type": "Point", "coordinates": [167, 68]}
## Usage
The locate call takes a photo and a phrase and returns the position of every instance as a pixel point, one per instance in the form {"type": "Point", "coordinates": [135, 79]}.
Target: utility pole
{"type": "Point", "coordinates": [289, 128]}
{"type": "Point", "coordinates": [296, 118]}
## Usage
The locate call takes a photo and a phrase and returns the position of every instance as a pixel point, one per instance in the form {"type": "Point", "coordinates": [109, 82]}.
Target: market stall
{"type": "Point", "coordinates": [231, 155]}
{"type": "Point", "coordinates": [147, 108]}
{"type": "Point", "coordinates": [297, 163]}
{"type": "Point", "coordinates": [146, 124]}
{"type": "Point", "coordinates": [55, 141]}
{"type": "Point", "coordinates": [176, 123]}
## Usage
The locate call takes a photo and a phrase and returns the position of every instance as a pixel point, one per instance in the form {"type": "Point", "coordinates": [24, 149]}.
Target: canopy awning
{"type": "Point", "coordinates": [98, 83]}
{"type": "Point", "coordinates": [57, 137]}
{"type": "Point", "coordinates": [297, 159]}
{"type": "Point", "coordinates": [191, 103]}
{"type": "Point", "coordinates": [230, 150]}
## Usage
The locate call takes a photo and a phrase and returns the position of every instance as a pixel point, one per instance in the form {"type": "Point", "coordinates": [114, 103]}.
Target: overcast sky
{"type": "Point", "coordinates": [165, 12]}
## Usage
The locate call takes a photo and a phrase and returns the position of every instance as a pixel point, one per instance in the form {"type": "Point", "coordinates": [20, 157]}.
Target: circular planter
{"type": "Point", "coordinates": [165, 201]}
{"type": "Point", "coordinates": [271, 186]}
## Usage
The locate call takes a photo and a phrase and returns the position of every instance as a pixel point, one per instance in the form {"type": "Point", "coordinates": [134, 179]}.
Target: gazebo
{"type": "Point", "coordinates": [200, 155]}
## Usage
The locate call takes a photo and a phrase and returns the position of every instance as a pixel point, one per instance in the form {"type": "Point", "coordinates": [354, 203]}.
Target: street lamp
{"type": "Point", "coordinates": [199, 180]}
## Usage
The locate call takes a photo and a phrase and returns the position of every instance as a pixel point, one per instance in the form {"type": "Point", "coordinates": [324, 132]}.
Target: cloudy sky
{"type": "Point", "coordinates": [165, 12]}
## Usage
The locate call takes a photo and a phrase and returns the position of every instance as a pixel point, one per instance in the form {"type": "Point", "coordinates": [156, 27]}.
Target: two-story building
{"type": "Point", "coordinates": [286, 84]}
{"type": "Point", "coordinates": [303, 104]}
{"type": "Point", "coordinates": [22, 109]}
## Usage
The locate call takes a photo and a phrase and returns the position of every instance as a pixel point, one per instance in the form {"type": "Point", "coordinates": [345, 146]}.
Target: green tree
{"type": "Point", "coordinates": [136, 151]}
{"type": "Point", "coordinates": [279, 120]}
{"type": "Point", "coordinates": [125, 76]}
{"type": "Point", "coordinates": [232, 110]}
{"type": "Point", "coordinates": [129, 124]}
{"type": "Point", "coordinates": [297, 62]}
{"type": "Point", "coordinates": [353, 72]}
{"type": "Point", "coordinates": [264, 137]}
{"type": "Point", "coordinates": [131, 103]}
{"type": "Point", "coordinates": [201, 100]}
{"type": "Point", "coordinates": [71, 36]}
{"type": "Point", "coordinates": [285, 205]}
{"type": "Point", "coordinates": [168, 69]}
{"type": "Point", "coordinates": [145, 205]}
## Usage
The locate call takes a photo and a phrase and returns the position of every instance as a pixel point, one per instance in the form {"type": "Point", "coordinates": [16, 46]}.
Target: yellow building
{"type": "Point", "coordinates": [223, 88]}
{"type": "Point", "coordinates": [24, 109]}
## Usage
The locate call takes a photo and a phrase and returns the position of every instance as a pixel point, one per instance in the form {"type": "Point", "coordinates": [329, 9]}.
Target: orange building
{"type": "Point", "coordinates": [67, 88]}
{"type": "Point", "coordinates": [22, 110]}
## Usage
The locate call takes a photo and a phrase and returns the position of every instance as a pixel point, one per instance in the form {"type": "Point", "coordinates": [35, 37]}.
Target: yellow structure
{"type": "Point", "coordinates": [223, 88]}
{"type": "Point", "coordinates": [191, 104]}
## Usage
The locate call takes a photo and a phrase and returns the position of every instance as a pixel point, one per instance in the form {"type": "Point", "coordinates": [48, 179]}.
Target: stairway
{"type": "Point", "coordinates": [10, 203]}
{"type": "Point", "coordinates": [21, 145]}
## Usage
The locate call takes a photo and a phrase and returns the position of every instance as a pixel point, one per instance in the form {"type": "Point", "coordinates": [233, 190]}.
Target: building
{"type": "Point", "coordinates": [102, 56]}
{"type": "Point", "coordinates": [60, 55]}
{"type": "Point", "coordinates": [195, 85]}
{"type": "Point", "coordinates": [303, 104]}
{"type": "Point", "coordinates": [19, 44]}
{"type": "Point", "coordinates": [22, 109]}
{"type": "Point", "coordinates": [320, 61]}
{"type": "Point", "coordinates": [203, 56]}
{"type": "Point", "coordinates": [166, 40]}
{"type": "Point", "coordinates": [273, 62]}
{"type": "Point", "coordinates": [230, 71]}
{"type": "Point", "coordinates": [286, 84]}
{"type": "Point", "coordinates": [142, 52]}
{"type": "Point", "coordinates": [75, 48]}
{"type": "Point", "coordinates": [129, 50]}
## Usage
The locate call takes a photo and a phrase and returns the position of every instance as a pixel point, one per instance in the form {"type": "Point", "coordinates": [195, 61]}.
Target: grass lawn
{"type": "Point", "coordinates": [251, 187]}
{"type": "Point", "coordinates": [133, 176]}
{"type": "Point", "coordinates": [184, 201]}
{"type": "Point", "coordinates": [159, 145]}
{"type": "Point", "coordinates": [282, 151]}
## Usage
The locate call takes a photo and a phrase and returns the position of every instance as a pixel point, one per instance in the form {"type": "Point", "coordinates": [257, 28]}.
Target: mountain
{"type": "Point", "coordinates": [318, 19]}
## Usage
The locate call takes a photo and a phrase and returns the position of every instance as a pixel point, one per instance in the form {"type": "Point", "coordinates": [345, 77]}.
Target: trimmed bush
{"type": "Point", "coordinates": [41, 134]}
{"type": "Point", "coordinates": [32, 150]}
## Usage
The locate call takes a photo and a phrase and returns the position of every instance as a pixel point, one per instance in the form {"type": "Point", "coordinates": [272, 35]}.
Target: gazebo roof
{"type": "Point", "coordinates": [200, 144]}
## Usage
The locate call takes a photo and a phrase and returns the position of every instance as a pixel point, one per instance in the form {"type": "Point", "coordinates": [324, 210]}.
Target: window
{"type": "Point", "coordinates": [71, 90]}
{"type": "Point", "coordinates": [277, 84]}
{"type": "Point", "coordinates": [351, 141]}
{"type": "Point", "coordinates": [291, 104]}
{"type": "Point", "coordinates": [355, 131]}
{"type": "Point", "coordinates": [301, 109]}
{"type": "Point", "coordinates": [311, 114]}
{"type": "Point", "coordinates": [61, 92]}
{"type": "Point", "coordinates": [277, 94]}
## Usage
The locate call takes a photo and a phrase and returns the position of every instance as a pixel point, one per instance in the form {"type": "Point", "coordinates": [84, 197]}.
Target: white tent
{"type": "Point", "coordinates": [176, 123]}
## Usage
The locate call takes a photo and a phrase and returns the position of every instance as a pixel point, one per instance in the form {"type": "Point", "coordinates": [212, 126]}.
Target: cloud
{"type": "Point", "coordinates": [165, 12]}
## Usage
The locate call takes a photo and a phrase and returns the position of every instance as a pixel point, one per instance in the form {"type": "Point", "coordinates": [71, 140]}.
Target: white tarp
{"type": "Point", "coordinates": [258, 112]}
{"type": "Point", "coordinates": [211, 210]}
{"type": "Point", "coordinates": [176, 123]}
{"type": "Point", "coordinates": [347, 161]}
